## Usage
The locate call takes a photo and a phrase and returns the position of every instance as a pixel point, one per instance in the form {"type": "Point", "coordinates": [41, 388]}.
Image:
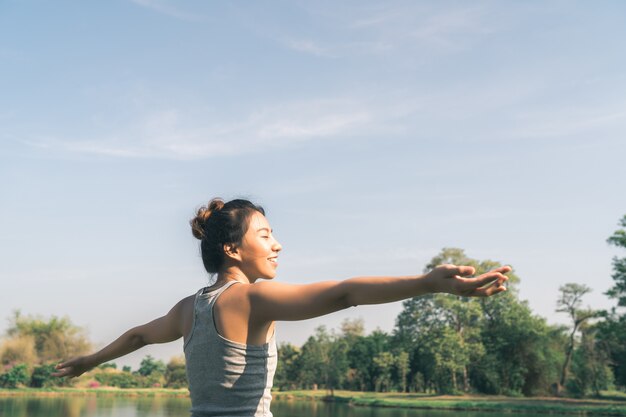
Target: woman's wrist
{"type": "Point", "coordinates": [433, 282]}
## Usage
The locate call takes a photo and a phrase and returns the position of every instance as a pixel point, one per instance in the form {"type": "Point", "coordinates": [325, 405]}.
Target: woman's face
{"type": "Point", "coordinates": [259, 250]}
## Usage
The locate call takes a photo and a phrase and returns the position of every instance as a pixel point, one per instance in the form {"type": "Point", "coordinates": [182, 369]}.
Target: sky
{"type": "Point", "coordinates": [373, 133]}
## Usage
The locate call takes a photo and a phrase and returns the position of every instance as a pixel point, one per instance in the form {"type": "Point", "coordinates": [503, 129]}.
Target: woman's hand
{"type": "Point", "coordinates": [457, 280]}
{"type": "Point", "coordinates": [73, 367]}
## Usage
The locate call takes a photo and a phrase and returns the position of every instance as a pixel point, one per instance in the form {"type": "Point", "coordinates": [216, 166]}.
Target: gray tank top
{"type": "Point", "coordinates": [226, 378]}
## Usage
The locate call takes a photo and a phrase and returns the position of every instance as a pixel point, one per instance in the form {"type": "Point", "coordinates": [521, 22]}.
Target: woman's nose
{"type": "Point", "coordinates": [277, 246]}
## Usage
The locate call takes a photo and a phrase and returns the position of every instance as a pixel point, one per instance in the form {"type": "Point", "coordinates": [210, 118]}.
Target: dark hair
{"type": "Point", "coordinates": [219, 223]}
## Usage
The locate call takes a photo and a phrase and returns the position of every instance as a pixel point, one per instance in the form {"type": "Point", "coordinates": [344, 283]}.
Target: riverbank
{"type": "Point", "coordinates": [104, 391]}
{"type": "Point", "coordinates": [615, 406]}
{"type": "Point", "coordinates": [612, 404]}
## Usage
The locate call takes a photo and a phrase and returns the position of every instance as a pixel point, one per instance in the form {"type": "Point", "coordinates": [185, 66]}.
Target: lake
{"type": "Point", "coordinates": [92, 406]}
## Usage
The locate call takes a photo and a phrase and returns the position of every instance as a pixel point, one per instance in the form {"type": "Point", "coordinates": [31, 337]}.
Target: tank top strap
{"type": "Point", "coordinates": [203, 302]}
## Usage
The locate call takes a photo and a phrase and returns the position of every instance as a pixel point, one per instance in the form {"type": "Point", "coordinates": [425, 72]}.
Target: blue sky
{"type": "Point", "coordinates": [374, 133]}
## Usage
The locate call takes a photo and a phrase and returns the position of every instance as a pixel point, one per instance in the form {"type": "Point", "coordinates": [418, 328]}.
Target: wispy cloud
{"type": "Point", "coordinates": [401, 28]}
{"type": "Point", "coordinates": [169, 10]}
{"type": "Point", "coordinates": [609, 118]}
{"type": "Point", "coordinates": [174, 133]}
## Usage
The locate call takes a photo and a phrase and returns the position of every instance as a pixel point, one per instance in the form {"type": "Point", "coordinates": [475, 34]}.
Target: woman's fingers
{"type": "Point", "coordinates": [462, 270]}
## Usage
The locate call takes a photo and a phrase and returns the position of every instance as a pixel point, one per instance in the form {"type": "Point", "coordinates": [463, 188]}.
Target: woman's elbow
{"type": "Point", "coordinates": [347, 301]}
{"type": "Point", "coordinates": [138, 338]}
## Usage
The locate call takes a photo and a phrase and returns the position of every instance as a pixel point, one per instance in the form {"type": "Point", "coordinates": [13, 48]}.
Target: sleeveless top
{"type": "Point", "coordinates": [226, 378]}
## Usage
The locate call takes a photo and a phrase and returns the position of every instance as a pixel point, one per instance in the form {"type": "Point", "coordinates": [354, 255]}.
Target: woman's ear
{"type": "Point", "coordinates": [231, 251]}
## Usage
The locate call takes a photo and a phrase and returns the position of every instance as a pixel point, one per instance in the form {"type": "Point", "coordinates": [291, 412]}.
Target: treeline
{"type": "Point", "coordinates": [34, 346]}
{"type": "Point", "coordinates": [445, 344]}
{"type": "Point", "coordinates": [440, 344]}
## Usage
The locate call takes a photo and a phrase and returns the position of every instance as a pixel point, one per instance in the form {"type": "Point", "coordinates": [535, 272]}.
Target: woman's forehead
{"type": "Point", "coordinates": [258, 221]}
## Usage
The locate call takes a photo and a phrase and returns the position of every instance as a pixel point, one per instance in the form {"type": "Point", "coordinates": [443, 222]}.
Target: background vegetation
{"type": "Point", "coordinates": [440, 344]}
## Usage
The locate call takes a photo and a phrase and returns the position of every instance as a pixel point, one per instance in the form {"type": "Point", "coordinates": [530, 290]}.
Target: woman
{"type": "Point", "coordinates": [228, 328]}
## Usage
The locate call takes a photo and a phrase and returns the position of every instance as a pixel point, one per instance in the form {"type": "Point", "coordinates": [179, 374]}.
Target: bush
{"type": "Point", "coordinates": [15, 377]}
{"type": "Point", "coordinates": [42, 377]}
{"type": "Point", "coordinates": [118, 379]}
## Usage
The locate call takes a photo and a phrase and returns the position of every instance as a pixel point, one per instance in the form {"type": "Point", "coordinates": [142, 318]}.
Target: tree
{"type": "Point", "coordinates": [432, 318]}
{"type": "Point", "coordinates": [611, 336]}
{"type": "Point", "coordinates": [54, 338]}
{"type": "Point", "coordinates": [149, 365]}
{"type": "Point", "coordinates": [176, 373]}
{"type": "Point", "coordinates": [402, 367]}
{"type": "Point", "coordinates": [384, 363]}
{"type": "Point", "coordinates": [361, 351]}
{"type": "Point", "coordinates": [569, 302]}
{"type": "Point", "coordinates": [286, 377]}
{"type": "Point", "coordinates": [618, 291]}
{"type": "Point", "coordinates": [18, 349]}
{"type": "Point", "coordinates": [524, 351]}
{"type": "Point", "coordinates": [324, 360]}
{"type": "Point", "coordinates": [590, 371]}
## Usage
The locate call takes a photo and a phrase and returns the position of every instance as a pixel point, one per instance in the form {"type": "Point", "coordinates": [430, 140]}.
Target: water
{"type": "Point", "coordinates": [91, 406]}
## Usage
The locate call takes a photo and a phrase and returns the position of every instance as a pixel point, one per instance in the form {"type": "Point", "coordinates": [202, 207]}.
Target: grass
{"type": "Point", "coordinates": [105, 391]}
{"type": "Point", "coordinates": [612, 405]}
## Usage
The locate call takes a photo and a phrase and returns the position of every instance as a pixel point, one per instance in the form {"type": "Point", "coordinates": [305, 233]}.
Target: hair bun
{"type": "Point", "coordinates": [202, 216]}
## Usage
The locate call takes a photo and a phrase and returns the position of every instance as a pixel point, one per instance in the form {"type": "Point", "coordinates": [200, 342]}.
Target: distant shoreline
{"type": "Point", "coordinates": [616, 406]}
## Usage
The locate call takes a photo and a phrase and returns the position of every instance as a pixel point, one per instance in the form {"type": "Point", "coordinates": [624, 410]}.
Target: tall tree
{"type": "Point", "coordinates": [569, 302]}
{"type": "Point", "coordinates": [54, 338]}
{"type": "Point", "coordinates": [618, 291]}
{"type": "Point", "coordinates": [441, 330]}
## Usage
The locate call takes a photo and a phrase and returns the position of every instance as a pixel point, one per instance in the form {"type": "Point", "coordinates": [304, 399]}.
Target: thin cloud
{"type": "Point", "coordinates": [399, 28]}
{"type": "Point", "coordinates": [175, 134]}
{"type": "Point", "coordinates": [169, 10]}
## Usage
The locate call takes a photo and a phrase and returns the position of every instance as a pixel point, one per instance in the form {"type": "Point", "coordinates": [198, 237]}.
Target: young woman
{"type": "Point", "coordinates": [228, 328]}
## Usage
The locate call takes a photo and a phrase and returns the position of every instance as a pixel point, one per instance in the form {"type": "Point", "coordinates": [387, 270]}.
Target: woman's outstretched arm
{"type": "Point", "coordinates": [165, 329]}
{"type": "Point", "coordinates": [275, 301]}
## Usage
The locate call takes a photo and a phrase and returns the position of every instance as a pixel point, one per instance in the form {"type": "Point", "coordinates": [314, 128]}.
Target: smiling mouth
{"type": "Point", "coordinates": [273, 260]}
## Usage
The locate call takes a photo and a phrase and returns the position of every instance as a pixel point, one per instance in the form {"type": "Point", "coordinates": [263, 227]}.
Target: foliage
{"type": "Point", "coordinates": [570, 301]}
{"type": "Point", "coordinates": [42, 377]}
{"type": "Point", "coordinates": [149, 366]}
{"type": "Point", "coordinates": [590, 367]}
{"type": "Point", "coordinates": [286, 376]}
{"type": "Point", "coordinates": [176, 373]}
{"type": "Point", "coordinates": [618, 291]}
{"type": "Point", "coordinates": [15, 377]}
{"type": "Point", "coordinates": [119, 379]}
{"type": "Point", "coordinates": [324, 360]}
{"type": "Point", "coordinates": [18, 349]}
{"type": "Point", "coordinates": [53, 338]}
{"type": "Point", "coordinates": [611, 336]}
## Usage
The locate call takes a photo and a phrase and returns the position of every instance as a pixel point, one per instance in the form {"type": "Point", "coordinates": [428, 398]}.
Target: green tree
{"type": "Point", "coordinates": [384, 363]}
{"type": "Point", "coordinates": [176, 373]}
{"type": "Point", "coordinates": [611, 336]}
{"type": "Point", "coordinates": [428, 317]}
{"type": "Point", "coordinates": [149, 365]}
{"type": "Point", "coordinates": [324, 360]}
{"type": "Point", "coordinates": [570, 301]}
{"type": "Point", "coordinates": [402, 366]}
{"type": "Point", "coordinates": [287, 370]}
{"type": "Point", "coordinates": [590, 371]}
{"type": "Point", "coordinates": [618, 291]}
{"type": "Point", "coordinates": [361, 351]}
{"type": "Point", "coordinates": [524, 352]}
